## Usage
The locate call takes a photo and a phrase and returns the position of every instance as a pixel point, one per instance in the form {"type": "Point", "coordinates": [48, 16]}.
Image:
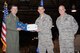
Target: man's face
{"type": "Point", "coordinates": [41, 10]}
{"type": "Point", "coordinates": [62, 10]}
{"type": "Point", "coordinates": [14, 9]}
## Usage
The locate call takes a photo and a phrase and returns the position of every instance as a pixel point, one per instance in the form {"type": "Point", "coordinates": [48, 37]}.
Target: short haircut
{"type": "Point", "coordinates": [62, 5]}
{"type": "Point", "coordinates": [13, 6]}
{"type": "Point", "coordinates": [41, 6]}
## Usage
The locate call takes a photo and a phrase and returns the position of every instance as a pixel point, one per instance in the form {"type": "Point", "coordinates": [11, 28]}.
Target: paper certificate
{"type": "Point", "coordinates": [31, 27]}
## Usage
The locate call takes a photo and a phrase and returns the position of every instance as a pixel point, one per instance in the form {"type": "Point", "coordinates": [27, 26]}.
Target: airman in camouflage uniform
{"type": "Point", "coordinates": [44, 23]}
{"type": "Point", "coordinates": [67, 27]}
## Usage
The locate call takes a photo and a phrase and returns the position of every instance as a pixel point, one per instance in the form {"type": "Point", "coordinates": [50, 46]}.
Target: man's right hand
{"type": "Point", "coordinates": [19, 29]}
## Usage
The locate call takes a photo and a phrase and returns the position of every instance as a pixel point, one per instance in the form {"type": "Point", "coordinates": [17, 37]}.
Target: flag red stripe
{"type": "Point", "coordinates": [3, 34]}
{"type": "Point", "coordinates": [4, 43]}
{"type": "Point", "coordinates": [4, 27]}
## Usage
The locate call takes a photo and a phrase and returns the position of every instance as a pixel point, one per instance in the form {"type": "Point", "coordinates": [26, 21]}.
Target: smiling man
{"type": "Point", "coordinates": [12, 37]}
{"type": "Point", "coordinates": [67, 27]}
{"type": "Point", "coordinates": [44, 23]}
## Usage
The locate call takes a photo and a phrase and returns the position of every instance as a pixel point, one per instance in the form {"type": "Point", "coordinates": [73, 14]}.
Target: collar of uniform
{"type": "Point", "coordinates": [64, 15]}
{"type": "Point", "coordinates": [12, 14]}
{"type": "Point", "coordinates": [43, 15]}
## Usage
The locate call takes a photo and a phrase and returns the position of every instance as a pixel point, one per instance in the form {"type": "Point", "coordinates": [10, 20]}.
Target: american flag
{"type": "Point", "coordinates": [3, 33]}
